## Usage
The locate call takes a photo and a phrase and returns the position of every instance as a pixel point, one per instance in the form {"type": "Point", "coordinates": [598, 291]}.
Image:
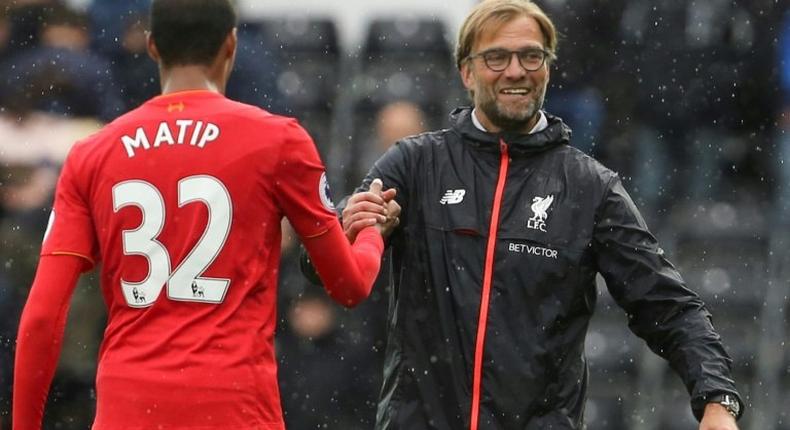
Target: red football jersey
{"type": "Point", "coordinates": [180, 201]}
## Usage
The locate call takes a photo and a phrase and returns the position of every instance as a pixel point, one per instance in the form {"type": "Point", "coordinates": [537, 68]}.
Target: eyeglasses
{"type": "Point", "coordinates": [531, 59]}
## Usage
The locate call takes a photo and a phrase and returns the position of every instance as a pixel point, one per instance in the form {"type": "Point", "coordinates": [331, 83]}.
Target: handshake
{"type": "Point", "coordinates": [371, 208]}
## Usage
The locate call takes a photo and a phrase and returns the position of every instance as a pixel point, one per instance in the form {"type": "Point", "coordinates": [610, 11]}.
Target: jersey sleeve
{"type": "Point", "coordinates": [302, 188]}
{"type": "Point", "coordinates": [40, 336]}
{"type": "Point", "coordinates": [348, 272]}
{"type": "Point", "coordinates": [70, 230]}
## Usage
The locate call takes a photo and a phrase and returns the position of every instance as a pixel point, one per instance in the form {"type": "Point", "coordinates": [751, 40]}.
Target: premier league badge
{"type": "Point", "coordinates": [324, 193]}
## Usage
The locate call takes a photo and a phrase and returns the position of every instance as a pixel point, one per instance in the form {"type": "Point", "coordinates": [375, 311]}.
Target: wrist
{"type": "Point", "coordinates": [724, 403]}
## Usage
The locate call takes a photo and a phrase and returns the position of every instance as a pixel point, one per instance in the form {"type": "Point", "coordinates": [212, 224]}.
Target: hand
{"type": "Point", "coordinates": [365, 209]}
{"type": "Point", "coordinates": [716, 417]}
{"type": "Point", "coordinates": [393, 220]}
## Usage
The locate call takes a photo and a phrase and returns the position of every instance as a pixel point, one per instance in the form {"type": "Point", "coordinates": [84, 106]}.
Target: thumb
{"type": "Point", "coordinates": [375, 186]}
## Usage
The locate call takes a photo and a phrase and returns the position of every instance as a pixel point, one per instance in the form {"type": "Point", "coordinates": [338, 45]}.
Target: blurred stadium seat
{"type": "Point", "coordinates": [613, 355]}
{"type": "Point", "coordinates": [401, 60]}
{"type": "Point", "coordinates": [723, 252]}
{"type": "Point", "coordinates": [407, 59]}
{"type": "Point", "coordinates": [310, 56]}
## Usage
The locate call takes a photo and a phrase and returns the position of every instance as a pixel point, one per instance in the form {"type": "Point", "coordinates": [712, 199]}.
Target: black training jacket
{"type": "Point", "coordinates": [494, 266]}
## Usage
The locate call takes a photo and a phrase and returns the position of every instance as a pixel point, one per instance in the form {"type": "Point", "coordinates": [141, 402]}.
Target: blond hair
{"type": "Point", "coordinates": [499, 12]}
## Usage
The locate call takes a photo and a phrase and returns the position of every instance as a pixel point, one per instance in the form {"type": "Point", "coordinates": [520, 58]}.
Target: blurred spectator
{"type": "Point", "coordinates": [394, 121]}
{"type": "Point", "coordinates": [33, 144]}
{"type": "Point", "coordinates": [313, 328]}
{"type": "Point", "coordinates": [783, 129]}
{"type": "Point", "coordinates": [111, 20]}
{"type": "Point", "coordinates": [693, 67]}
{"type": "Point", "coordinates": [5, 31]}
{"type": "Point", "coordinates": [9, 306]}
{"type": "Point", "coordinates": [65, 29]}
{"type": "Point", "coordinates": [65, 77]}
{"type": "Point", "coordinates": [136, 73]}
{"type": "Point", "coordinates": [255, 74]}
{"type": "Point", "coordinates": [344, 398]}
{"type": "Point", "coordinates": [26, 18]}
{"type": "Point", "coordinates": [375, 133]}
{"type": "Point", "coordinates": [588, 31]}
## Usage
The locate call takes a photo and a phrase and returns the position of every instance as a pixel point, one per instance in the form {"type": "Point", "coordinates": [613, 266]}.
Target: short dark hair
{"type": "Point", "coordinates": [190, 31]}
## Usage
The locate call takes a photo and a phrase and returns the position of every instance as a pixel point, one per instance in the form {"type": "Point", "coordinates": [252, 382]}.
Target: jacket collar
{"type": "Point", "coordinates": [557, 133]}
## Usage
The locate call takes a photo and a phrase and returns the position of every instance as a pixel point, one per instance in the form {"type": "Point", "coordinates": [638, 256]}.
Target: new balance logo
{"type": "Point", "coordinates": [452, 197]}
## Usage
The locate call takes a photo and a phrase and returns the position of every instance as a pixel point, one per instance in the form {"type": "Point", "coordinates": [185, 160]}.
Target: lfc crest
{"type": "Point", "coordinates": [539, 207]}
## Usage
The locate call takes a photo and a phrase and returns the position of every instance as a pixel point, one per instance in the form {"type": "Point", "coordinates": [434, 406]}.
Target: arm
{"type": "Point", "coordinates": [369, 203]}
{"type": "Point", "coordinates": [349, 287]}
{"type": "Point", "coordinates": [347, 271]}
{"type": "Point", "coordinates": [41, 335]}
{"type": "Point", "coordinates": [671, 319]}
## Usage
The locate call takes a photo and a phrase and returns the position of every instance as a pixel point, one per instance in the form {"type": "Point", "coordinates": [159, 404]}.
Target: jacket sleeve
{"type": "Point", "coordinates": [668, 316]}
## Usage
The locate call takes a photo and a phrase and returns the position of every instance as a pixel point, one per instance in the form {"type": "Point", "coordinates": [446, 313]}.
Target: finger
{"type": "Point", "coordinates": [365, 196]}
{"type": "Point", "coordinates": [376, 186]}
{"type": "Point", "coordinates": [393, 208]}
{"type": "Point", "coordinates": [365, 207]}
{"type": "Point", "coordinates": [364, 215]}
{"type": "Point", "coordinates": [389, 194]}
{"type": "Point", "coordinates": [348, 222]}
{"type": "Point", "coordinates": [362, 211]}
{"type": "Point", "coordinates": [357, 226]}
{"type": "Point", "coordinates": [368, 215]}
{"type": "Point", "coordinates": [354, 228]}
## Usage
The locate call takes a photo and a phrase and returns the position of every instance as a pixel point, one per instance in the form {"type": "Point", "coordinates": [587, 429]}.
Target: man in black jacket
{"type": "Point", "coordinates": [502, 231]}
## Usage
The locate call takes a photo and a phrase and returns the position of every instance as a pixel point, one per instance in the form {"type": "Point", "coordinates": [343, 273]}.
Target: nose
{"type": "Point", "coordinates": [514, 69]}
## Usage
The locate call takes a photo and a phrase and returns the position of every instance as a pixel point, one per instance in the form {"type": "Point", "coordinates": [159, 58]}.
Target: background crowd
{"type": "Point", "coordinates": [688, 100]}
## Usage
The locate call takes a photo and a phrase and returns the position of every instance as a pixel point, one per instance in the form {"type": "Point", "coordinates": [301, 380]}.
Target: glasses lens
{"type": "Point", "coordinates": [497, 60]}
{"type": "Point", "coordinates": [531, 59]}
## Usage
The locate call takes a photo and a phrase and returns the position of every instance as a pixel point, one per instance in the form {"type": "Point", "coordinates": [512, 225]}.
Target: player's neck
{"type": "Point", "coordinates": [189, 78]}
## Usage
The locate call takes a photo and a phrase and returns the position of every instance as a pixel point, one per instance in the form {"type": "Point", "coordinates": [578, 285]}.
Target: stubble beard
{"type": "Point", "coordinates": [514, 120]}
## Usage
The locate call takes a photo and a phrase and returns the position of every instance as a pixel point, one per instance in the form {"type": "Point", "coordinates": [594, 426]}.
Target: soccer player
{"type": "Point", "coordinates": [180, 201]}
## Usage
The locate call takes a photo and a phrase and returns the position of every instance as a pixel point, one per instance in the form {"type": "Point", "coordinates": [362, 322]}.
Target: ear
{"type": "Point", "coordinates": [231, 43]}
{"type": "Point", "coordinates": [468, 75]}
{"type": "Point", "coordinates": [153, 52]}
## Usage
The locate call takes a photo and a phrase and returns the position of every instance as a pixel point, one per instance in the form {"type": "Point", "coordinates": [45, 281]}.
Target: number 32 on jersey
{"type": "Point", "coordinates": [185, 283]}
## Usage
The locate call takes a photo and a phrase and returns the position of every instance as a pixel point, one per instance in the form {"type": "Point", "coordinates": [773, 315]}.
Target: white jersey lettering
{"type": "Point", "coordinates": [140, 139]}
{"type": "Point", "coordinates": [198, 133]}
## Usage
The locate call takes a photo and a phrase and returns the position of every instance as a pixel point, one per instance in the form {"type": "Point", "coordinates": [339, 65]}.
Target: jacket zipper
{"type": "Point", "coordinates": [482, 320]}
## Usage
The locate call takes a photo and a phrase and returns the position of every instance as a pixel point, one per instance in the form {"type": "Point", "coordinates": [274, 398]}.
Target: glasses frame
{"type": "Point", "coordinates": [546, 55]}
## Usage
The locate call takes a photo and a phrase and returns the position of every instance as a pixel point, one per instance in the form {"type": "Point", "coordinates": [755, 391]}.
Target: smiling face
{"type": "Point", "coordinates": [508, 100]}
